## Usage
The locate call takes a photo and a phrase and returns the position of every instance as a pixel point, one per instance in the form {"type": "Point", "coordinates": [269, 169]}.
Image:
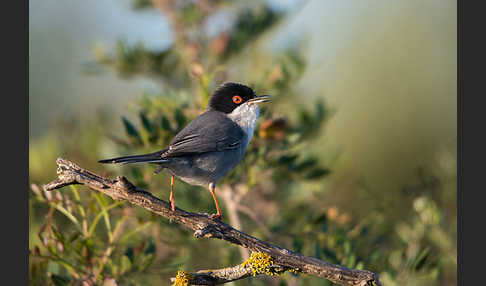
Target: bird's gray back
{"type": "Point", "coordinates": [211, 131]}
{"type": "Point", "coordinates": [207, 149]}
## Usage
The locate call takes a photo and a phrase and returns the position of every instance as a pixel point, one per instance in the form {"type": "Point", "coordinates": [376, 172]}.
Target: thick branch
{"type": "Point", "coordinates": [203, 226]}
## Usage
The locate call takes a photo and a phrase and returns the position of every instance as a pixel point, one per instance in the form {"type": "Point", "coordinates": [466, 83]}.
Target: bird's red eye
{"type": "Point", "coordinates": [237, 99]}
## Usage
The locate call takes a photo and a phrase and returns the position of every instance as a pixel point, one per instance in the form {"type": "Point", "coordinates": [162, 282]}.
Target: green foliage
{"type": "Point", "coordinates": [129, 61]}
{"type": "Point", "coordinates": [142, 4]}
{"type": "Point", "coordinates": [250, 24]}
{"type": "Point", "coordinates": [132, 131]}
{"type": "Point", "coordinates": [80, 240]}
{"type": "Point", "coordinates": [283, 179]}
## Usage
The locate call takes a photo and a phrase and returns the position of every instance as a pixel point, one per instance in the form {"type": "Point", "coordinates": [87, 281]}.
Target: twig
{"type": "Point", "coordinates": [203, 226]}
{"type": "Point", "coordinates": [232, 201]}
{"type": "Point", "coordinates": [252, 215]}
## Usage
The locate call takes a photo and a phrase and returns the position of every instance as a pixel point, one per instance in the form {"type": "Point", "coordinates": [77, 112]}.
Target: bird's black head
{"type": "Point", "coordinates": [228, 96]}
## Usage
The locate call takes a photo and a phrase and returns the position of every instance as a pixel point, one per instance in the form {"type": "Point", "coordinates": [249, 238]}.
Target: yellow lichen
{"type": "Point", "coordinates": [183, 278]}
{"type": "Point", "coordinates": [260, 264]}
{"type": "Point", "coordinates": [294, 270]}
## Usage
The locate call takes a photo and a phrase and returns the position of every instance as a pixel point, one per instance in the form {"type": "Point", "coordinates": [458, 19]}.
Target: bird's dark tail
{"type": "Point", "coordinates": [144, 158]}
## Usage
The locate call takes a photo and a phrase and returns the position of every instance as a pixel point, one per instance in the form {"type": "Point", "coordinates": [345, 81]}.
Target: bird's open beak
{"type": "Point", "coordinates": [259, 99]}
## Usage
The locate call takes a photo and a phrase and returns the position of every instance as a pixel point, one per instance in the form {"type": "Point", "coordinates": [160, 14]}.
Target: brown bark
{"type": "Point", "coordinates": [203, 226]}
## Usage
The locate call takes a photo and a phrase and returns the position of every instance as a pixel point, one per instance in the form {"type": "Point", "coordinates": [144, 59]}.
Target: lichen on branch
{"type": "Point", "coordinates": [183, 278]}
{"type": "Point", "coordinates": [260, 263]}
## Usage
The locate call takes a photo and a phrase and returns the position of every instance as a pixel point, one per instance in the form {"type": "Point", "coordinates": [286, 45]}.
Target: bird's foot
{"type": "Point", "coordinates": [172, 208]}
{"type": "Point", "coordinates": [215, 216]}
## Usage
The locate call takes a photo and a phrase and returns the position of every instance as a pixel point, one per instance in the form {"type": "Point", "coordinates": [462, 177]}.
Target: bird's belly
{"type": "Point", "coordinates": [205, 168]}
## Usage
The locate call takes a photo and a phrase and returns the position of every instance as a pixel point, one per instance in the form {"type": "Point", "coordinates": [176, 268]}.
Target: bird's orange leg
{"type": "Point", "coordinates": [172, 201]}
{"type": "Point", "coordinates": [212, 187]}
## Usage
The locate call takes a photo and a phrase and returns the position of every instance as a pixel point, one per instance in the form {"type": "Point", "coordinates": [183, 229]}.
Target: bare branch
{"type": "Point", "coordinates": [203, 226]}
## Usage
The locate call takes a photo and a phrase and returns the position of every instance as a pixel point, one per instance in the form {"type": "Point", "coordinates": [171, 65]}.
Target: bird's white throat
{"type": "Point", "coordinates": [246, 116]}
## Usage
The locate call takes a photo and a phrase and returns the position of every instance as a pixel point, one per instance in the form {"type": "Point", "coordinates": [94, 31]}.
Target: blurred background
{"type": "Point", "coordinates": [356, 156]}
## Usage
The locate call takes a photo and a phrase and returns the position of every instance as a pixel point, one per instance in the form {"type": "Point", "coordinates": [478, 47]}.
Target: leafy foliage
{"type": "Point", "coordinates": [78, 235]}
{"type": "Point", "coordinates": [85, 250]}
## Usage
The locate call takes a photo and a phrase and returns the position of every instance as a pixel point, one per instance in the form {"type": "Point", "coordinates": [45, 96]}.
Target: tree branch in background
{"type": "Point", "coordinates": [232, 201]}
{"type": "Point", "coordinates": [266, 258]}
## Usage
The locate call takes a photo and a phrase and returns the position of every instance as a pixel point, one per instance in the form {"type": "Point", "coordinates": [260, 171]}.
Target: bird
{"type": "Point", "coordinates": [210, 146]}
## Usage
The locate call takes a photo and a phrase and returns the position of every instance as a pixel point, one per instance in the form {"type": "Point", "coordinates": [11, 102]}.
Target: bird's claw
{"type": "Point", "coordinates": [172, 207]}
{"type": "Point", "coordinates": [215, 216]}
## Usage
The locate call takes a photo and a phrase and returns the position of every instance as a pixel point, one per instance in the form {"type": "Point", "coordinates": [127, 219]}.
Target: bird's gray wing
{"type": "Point", "coordinates": [209, 132]}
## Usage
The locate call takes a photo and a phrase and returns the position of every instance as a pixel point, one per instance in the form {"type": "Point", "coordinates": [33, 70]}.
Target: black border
{"type": "Point", "coordinates": [15, 143]}
{"type": "Point", "coordinates": [471, 143]}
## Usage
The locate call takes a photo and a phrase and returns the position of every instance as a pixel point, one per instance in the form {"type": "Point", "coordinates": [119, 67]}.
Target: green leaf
{"type": "Point", "coordinates": [100, 215]}
{"type": "Point", "coordinates": [146, 262]}
{"type": "Point", "coordinates": [126, 264]}
{"type": "Point", "coordinates": [58, 235]}
{"type": "Point", "coordinates": [133, 232]}
{"type": "Point", "coordinates": [347, 247]}
{"type": "Point", "coordinates": [191, 14]}
{"type": "Point", "coordinates": [106, 217]}
{"type": "Point", "coordinates": [59, 280]}
{"type": "Point", "coordinates": [351, 261]}
{"type": "Point", "coordinates": [114, 270]}
{"type": "Point", "coordinates": [142, 4]}
{"type": "Point", "coordinates": [320, 218]}
{"type": "Point", "coordinates": [130, 253]}
{"type": "Point", "coordinates": [307, 163]}
{"type": "Point", "coordinates": [131, 130]}
{"type": "Point", "coordinates": [331, 256]}
{"type": "Point", "coordinates": [79, 205]}
{"type": "Point", "coordinates": [287, 159]}
{"type": "Point", "coordinates": [420, 260]}
{"type": "Point", "coordinates": [74, 236]}
{"type": "Point", "coordinates": [306, 119]}
{"type": "Point", "coordinates": [317, 173]}
{"type": "Point", "coordinates": [146, 122]}
{"type": "Point", "coordinates": [180, 118]}
{"type": "Point", "coordinates": [89, 243]}
{"type": "Point", "coordinates": [165, 123]}
{"type": "Point", "coordinates": [150, 248]}
{"type": "Point", "coordinates": [66, 213]}
{"type": "Point", "coordinates": [298, 243]}
{"type": "Point", "coordinates": [317, 250]}
{"type": "Point", "coordinates": [177, 262]}
{"type": "Point", "coordinates": [321, 112]}
{"type": "Point", "coordinates": [250, 24]}
{"type": "Point", "coordinates": [374, 256]}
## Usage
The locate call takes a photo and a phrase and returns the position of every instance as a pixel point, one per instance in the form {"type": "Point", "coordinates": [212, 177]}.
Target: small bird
{"type": "Point", "coordinates": [212, 144]}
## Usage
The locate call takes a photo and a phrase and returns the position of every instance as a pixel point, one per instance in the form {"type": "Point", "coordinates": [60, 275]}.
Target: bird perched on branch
{"type": "Point", "coordinates": [211, 145]}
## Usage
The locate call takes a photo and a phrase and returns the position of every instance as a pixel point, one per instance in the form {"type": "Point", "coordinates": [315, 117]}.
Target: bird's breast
{"type": "Point", "coordinates": [246, 116]}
